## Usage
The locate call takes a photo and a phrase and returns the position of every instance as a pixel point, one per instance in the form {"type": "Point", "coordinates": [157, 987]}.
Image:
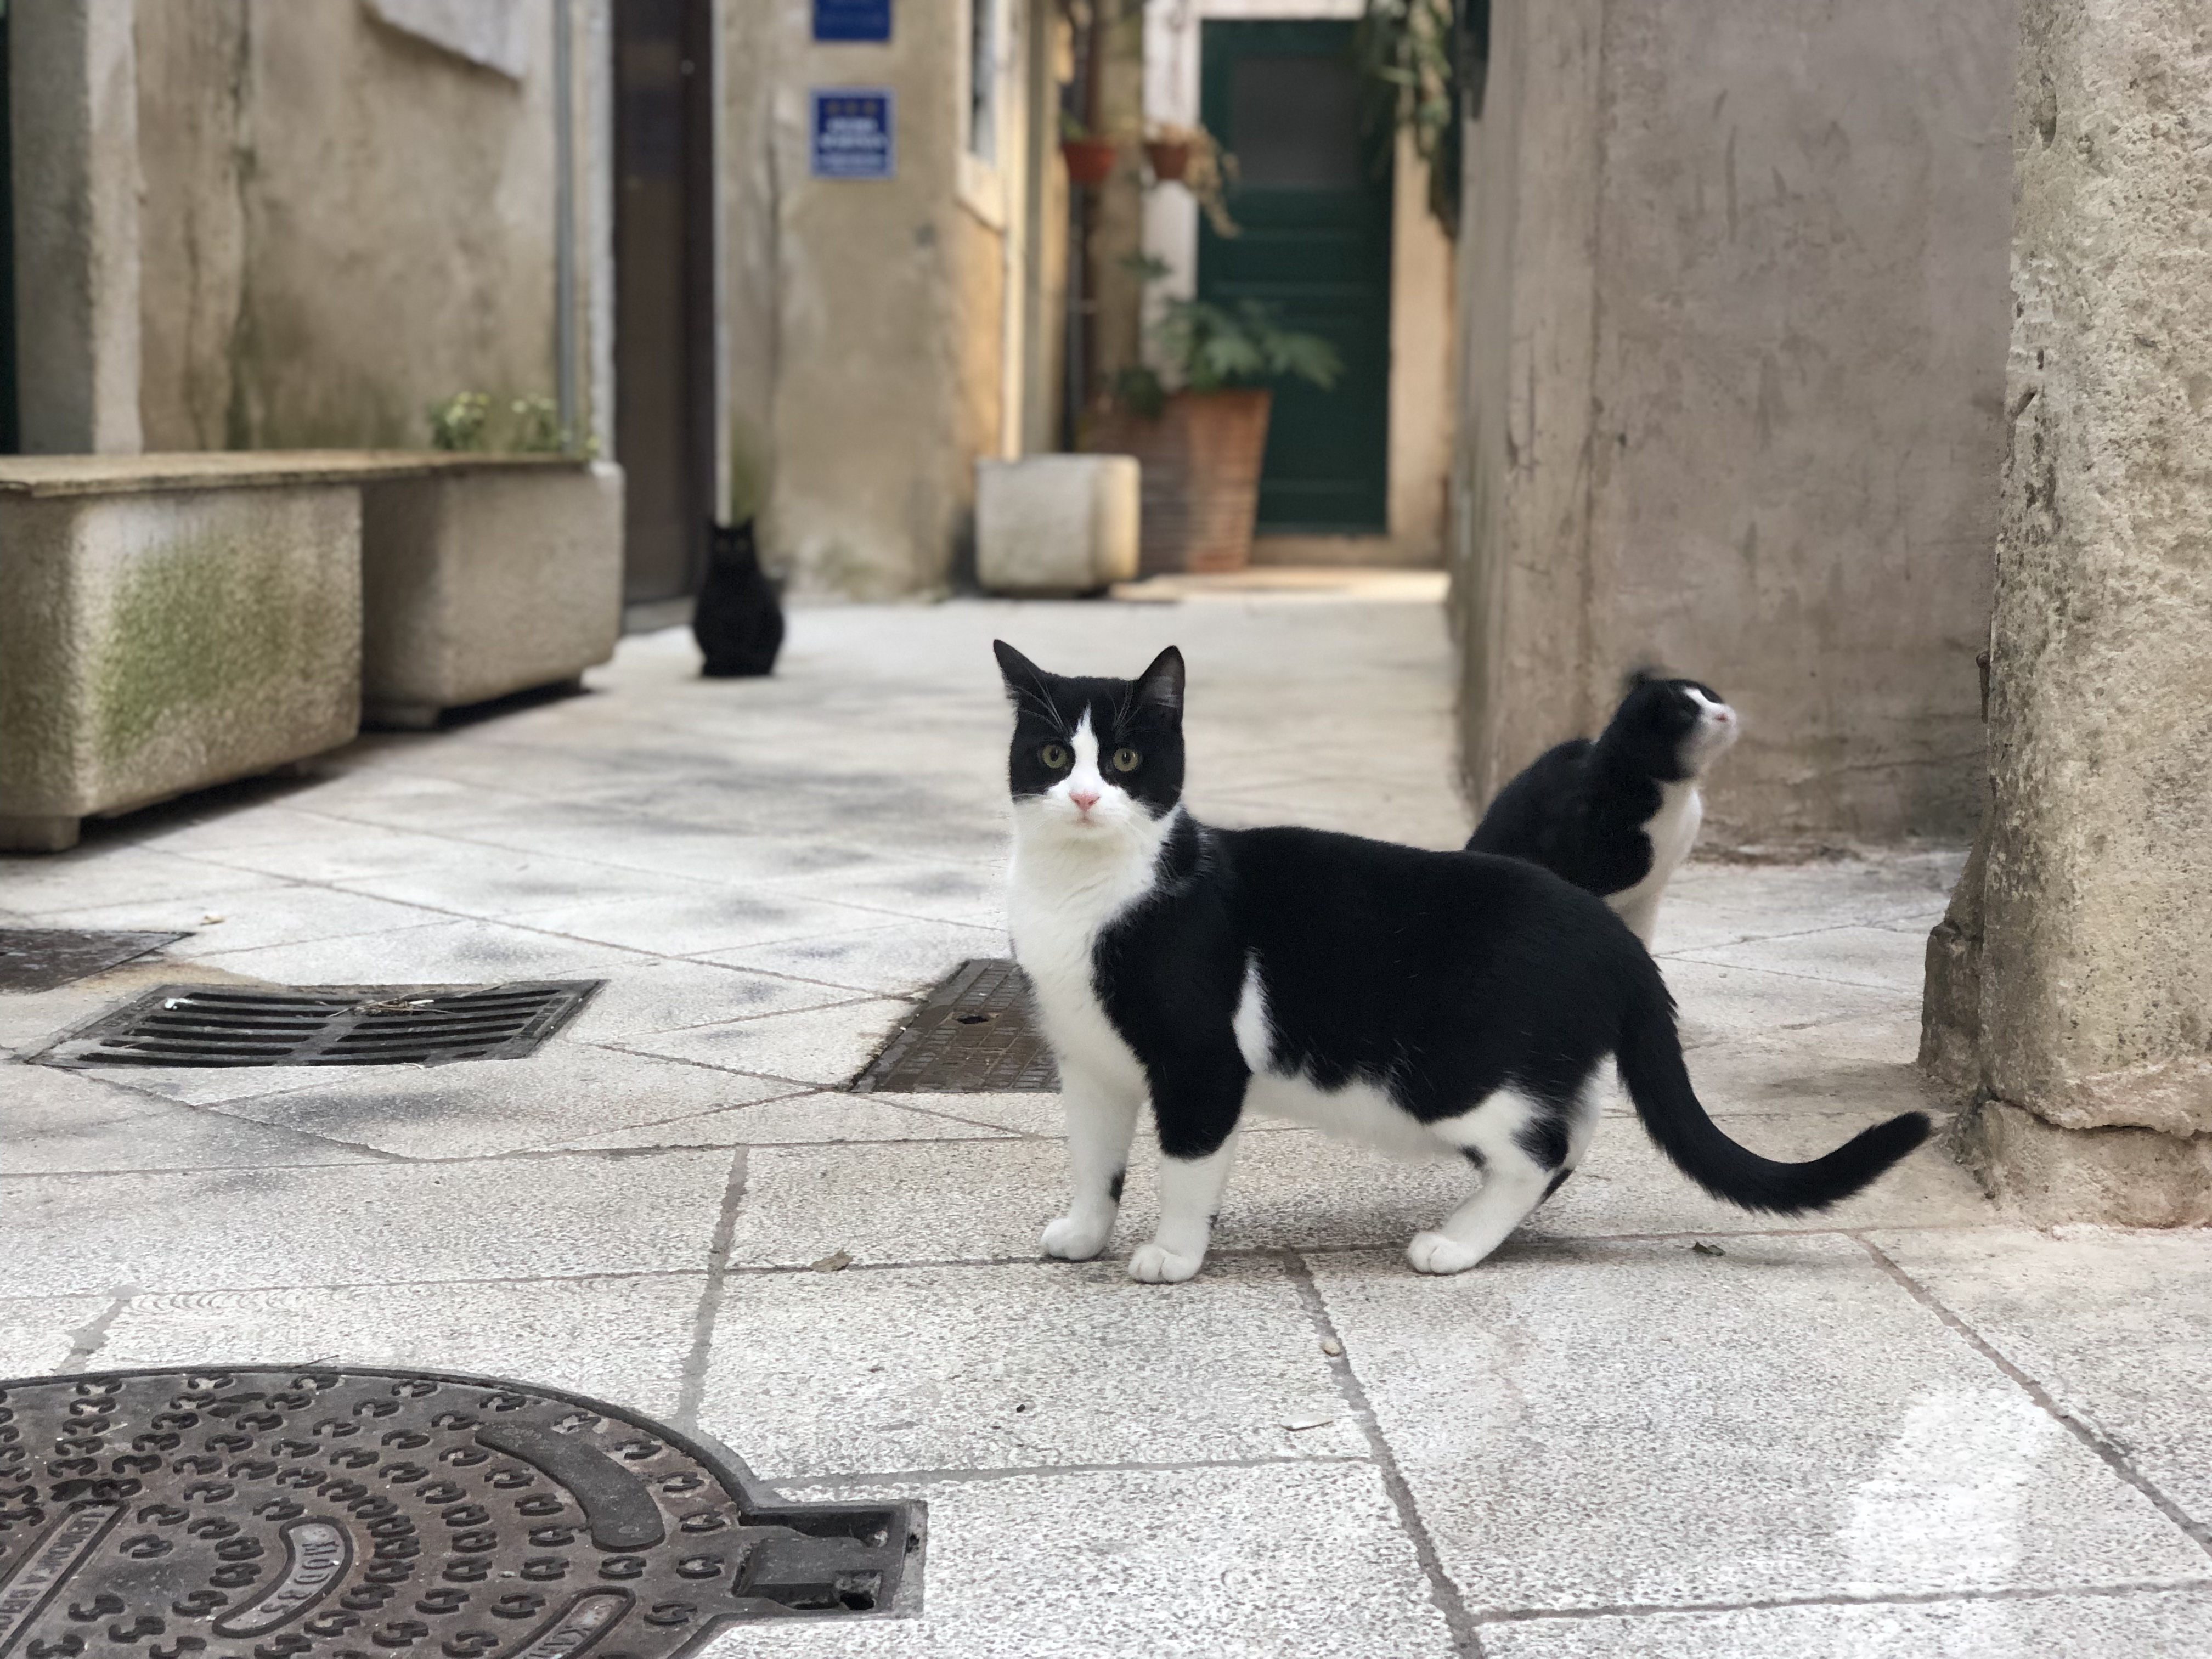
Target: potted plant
{"type": "Point", "coordinates": [1188, 156]}
{"type": "Point", "coordinates": [1090, 158]}
{"type": "Point", "coordinates": [1201, 443]}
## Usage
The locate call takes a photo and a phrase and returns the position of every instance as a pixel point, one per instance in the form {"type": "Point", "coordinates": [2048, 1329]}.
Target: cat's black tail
{"type": "Point", "coordinates": [1650, 1060]}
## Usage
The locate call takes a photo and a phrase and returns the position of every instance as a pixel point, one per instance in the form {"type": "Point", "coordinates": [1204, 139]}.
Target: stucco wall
{"type": "Point", "coordinates": [868, 331]}
{"type": "Point", "coordinates": [340, 223]}
{"type": "Point", "coordinates": [1734, 390]}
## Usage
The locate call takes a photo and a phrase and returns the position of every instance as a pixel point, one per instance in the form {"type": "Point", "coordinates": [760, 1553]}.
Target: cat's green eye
{"type": "Point", "coordinates": [1126, 760]}
{"type": "Point", "coordinates": [1054, 756]}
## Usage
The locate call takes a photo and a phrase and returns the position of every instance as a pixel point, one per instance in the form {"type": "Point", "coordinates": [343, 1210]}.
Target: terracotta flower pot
{"type": "Point", "coordinates": [1171, 159]}
{"type": "Point", "coordinates": [1090, 160]}
{"type": "Point", "coordinates": [1201, 476]}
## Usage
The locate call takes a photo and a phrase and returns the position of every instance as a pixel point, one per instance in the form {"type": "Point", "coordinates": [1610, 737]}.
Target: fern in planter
{"type": "Point", "coordinates": [1201, 446]}
{"type": "Point", "coordinates": [1209, 348]}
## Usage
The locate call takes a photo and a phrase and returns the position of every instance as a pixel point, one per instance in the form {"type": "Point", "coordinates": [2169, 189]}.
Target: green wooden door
{"type": "Point", "coordinates": [1312, 199]}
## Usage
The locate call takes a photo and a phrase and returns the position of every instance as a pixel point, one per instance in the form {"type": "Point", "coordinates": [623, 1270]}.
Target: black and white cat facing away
{"type": "Point", "coordinates": [1618, 816]}
{"type": "Point", "coordinates": [739, 618]}
{"type": "Point", "coordinates": [1430, 1005]}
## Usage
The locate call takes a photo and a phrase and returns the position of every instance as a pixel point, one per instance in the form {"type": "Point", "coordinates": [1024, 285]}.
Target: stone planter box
{"type": "Point", "coordinates": [172, 622]}
{"type": "Point", "coordinates": [1051, 525]}
{"type": "Point", "coordinates": [486, 576]}
{"type": "Point", "coordinates": [163, 630]}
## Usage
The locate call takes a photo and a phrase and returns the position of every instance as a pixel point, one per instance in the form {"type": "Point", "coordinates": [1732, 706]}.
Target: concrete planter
{"type": "Point", "coordinates": [485, 577]}
{"type": "Point", "coordinates": [1201, 458]}
{"type": "Point", "coordinates": [1056, 525]}
{"type": "Point", "coordinates": [158, 636]}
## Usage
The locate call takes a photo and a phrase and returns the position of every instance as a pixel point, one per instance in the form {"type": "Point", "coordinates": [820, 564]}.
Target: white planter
{"type": "Point", "coordinates": [1056, 525]}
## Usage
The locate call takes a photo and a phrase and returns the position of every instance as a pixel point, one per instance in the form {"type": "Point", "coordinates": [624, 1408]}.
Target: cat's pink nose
{"type": "Point", "coordinates": [1083, 798]}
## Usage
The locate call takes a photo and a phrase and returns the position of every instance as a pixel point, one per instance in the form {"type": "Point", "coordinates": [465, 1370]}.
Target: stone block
{"type": "Point", "coordinates": [2126, 1177]}
{"type": "Point", "coordinates": [162, 640]}
{"type": "Point", "coordinates": [477, 583]}
{"type": "Point", "coordinates": [1056, 523]}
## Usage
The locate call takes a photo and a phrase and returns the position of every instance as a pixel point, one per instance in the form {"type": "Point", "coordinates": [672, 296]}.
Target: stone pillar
{"type": "Point", "coordinates": [73, 101]}
{"type": "Point", "coordinates": [2093, 1003]}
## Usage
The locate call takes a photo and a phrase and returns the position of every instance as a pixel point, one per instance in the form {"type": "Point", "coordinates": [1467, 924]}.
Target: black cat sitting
{"type": "Point", "coordinates": [738, 618]}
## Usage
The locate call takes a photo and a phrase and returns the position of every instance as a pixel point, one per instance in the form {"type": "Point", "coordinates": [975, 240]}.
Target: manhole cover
{"type": "Point", "coordinates": [40, 958]}
{"type": "Point", "coordinates": [973, 1037]}
{"type": "Point", "coordinates": [219, 1515]}
{"type": "Point", "coordinates": [325, 1026]}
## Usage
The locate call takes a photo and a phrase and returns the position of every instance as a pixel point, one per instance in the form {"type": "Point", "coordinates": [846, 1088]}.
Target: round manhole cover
{"type": "Point", "coordinates": [216, 1514]}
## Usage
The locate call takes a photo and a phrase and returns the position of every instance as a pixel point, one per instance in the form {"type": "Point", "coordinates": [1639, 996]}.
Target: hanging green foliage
{"type": "Point", "coordinates": [1409, 58]}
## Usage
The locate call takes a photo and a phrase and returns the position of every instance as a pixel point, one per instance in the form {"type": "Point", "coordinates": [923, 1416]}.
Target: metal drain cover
{"type": "Point", "coordinates": [974, 1035]}
{"type": "Point", "coordinates": [41, 958]}
{"type": "Point", "coordinates": [325, 1026]}
{"type": "Point", "coordinates": [355, 1514]}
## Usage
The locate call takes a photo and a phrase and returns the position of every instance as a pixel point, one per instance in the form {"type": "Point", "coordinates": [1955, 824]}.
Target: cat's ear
{"type": "Point", "coordinates": [1021, 676]}
{"type": "Point", "coordinates": [1160, 686]}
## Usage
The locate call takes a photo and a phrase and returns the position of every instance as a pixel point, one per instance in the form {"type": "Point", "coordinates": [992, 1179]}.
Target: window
{"type": "Point", "coordinates": [983, 35]}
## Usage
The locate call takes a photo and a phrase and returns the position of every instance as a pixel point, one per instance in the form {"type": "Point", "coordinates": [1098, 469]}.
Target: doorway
{"type": "Point", "coordinates": [1312, 200]}
{"type": "Point", "coordinates": [665, 368]}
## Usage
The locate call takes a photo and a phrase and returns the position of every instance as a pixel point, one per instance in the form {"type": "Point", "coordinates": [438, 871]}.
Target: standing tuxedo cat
{"type": "Point", "coordinates": [738, 619]}
{"type": "Point", "coordinates": [1432, 1004]}
{"type": "Point", "coordinates": [1617, 816]}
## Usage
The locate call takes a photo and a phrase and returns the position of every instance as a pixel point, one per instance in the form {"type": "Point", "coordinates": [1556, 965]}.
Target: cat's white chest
{"type": "Point", "coordinates": [1672, 830]}
{"type": "Point", "coordinates": [1055, 911]}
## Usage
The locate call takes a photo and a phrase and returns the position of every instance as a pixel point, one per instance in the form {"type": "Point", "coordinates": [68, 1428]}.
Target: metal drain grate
{"type": "Point", "coordinates": [41, 958]}
{"type": "Point", "coordinates": [324, 1513]}
{"type": "Point", "coordinates": [325, 1026]}
{"type": "Point", "coordinates": [974, 1035]}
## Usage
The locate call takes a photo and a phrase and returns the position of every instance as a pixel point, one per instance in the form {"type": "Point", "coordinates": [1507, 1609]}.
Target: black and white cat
{"type": "Point", "coordinates": [1431, 1004]}
{"type": "Point", "coordinates": [738, 618]}
{"type": "Point", "coordinates": [1617, 816]}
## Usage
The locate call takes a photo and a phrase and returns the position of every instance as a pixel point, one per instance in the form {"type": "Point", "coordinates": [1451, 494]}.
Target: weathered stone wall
{"type": "Point", "coordinates": [2094, 982]}
{"type": "Point", "coordinates": [75, 184]}
{"type": "Point", "coordinates": [1734, 390]}
{"type": "Point", "coordinates": [340, 224]}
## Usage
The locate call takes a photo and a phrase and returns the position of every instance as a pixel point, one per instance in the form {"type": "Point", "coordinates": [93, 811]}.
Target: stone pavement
{"type": "Point", "coordinates": [1649, 1426]}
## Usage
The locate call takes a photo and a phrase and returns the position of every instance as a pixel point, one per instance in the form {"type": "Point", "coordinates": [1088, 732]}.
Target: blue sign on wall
{"type": "Point", "coordinates": [852, 20]}
{"type": "Point", "coordinates": [854, 133]}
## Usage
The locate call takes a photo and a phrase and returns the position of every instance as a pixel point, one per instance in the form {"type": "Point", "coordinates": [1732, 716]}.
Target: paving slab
{"type": "Point", "coordinates": [816, 1115]}
{"type": "Point", "coordinates": [1595, 1426]}
{"type": "Point", "coordinates": [1027, 1365]}
{"type": "Point", "coordinates": [901, 959]}
{"type": "Point", "coordinates": [2155, 1624]}
{"type": "Point", "coordinates": [707, 920]}
{"type": "Point", "coordinates": [528, 1217]}
{"type": "Point", "coordinates": [60, 1123]}
{"type": "Point", "coordinates": [39, 1334]}
{"type": "Point", "coordinates": [431, 952]}
{"type": "Point", "coordinates": [1274, 1562]}
{"type": "Point", "coordinates": [1884, 958]}
{"type": "Point", "coordinates": [619, 1338]}
{"type": "Point", "coordinates": [565, 1091]}
{"type": "Point", "coordinates": [817, 1045]}
{"type": "Point", "coordinates": [2117, 1326]}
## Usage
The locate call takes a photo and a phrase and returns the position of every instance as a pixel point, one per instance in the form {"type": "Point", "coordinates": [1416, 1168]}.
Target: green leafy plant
{"type": "Point", "coordinates": [1409, 54]}
{"type": "Point", "coordinates": [475, 423]}
{"type": "Point", "coordinates": [458, 423]}
{"type": "Point", "coordinates": [1208, 347]}
{"type": "Point", "coordinates": [1208, 170]}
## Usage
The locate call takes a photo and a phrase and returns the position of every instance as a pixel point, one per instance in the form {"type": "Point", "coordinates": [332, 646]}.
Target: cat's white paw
{"type": "Point", "coordinates": [1071, 1240]}
{"type": "Point", "coordinates": [1433, 1253]}
{"type": "Point", "coordinates": [1155, 1264]}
